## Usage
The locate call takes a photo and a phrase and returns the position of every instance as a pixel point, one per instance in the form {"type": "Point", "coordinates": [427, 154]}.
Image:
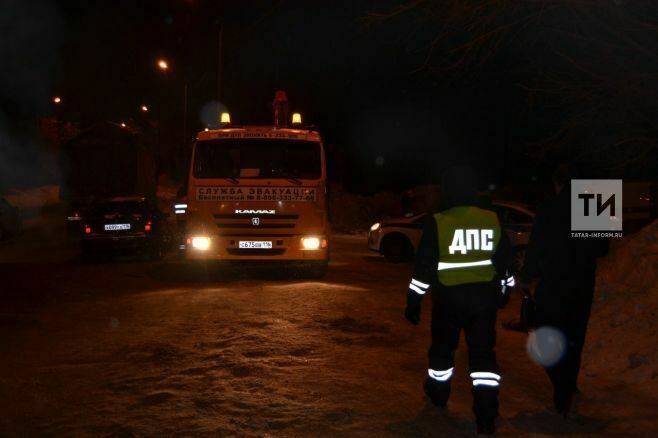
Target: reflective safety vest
{"type": "Point", "coordinates": [468, 239]}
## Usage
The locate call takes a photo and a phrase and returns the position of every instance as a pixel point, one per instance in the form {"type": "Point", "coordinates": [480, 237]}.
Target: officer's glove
{"type": "Point", "coordinates": [412, 311]}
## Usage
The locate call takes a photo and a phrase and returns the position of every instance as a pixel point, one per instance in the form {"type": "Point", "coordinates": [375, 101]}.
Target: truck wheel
{"type": "Point", "coordinates": [397, 248]}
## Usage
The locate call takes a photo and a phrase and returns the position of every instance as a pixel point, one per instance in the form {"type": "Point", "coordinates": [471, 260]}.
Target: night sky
{"type": "Point", "coordinates": [394, 97]}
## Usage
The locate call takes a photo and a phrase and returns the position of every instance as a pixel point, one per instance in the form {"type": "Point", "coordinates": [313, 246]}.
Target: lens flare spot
{"type": "Point", "coordinates": [546, 346]}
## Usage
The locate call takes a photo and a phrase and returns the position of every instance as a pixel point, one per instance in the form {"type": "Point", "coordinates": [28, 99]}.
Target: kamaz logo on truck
{"type": "Point", "coordinates": [255, 211]}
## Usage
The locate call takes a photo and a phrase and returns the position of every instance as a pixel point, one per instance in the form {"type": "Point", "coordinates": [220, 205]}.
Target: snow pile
{"type": "Point", "coordinates": [34, 198]}
{"type": "Point", "coordinates": [167, 188]}
{"type": "Point", "coordinates": [623, 333]}
{"type": "Point", "coordinates": [353, 213]}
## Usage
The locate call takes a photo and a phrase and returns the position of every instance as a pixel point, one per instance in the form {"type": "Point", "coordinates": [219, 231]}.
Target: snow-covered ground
{"type": "Point", "coordinates": [134, 348]}
{"type": "Point", "coordinates": [623, 334]}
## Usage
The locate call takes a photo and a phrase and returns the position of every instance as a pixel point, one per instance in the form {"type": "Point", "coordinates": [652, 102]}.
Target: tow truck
{"type": "Point", "coordinates": [259, 193]}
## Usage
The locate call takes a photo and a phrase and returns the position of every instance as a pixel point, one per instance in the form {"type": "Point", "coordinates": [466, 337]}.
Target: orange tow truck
{"type": "Point", "coordinates": [259, 193]}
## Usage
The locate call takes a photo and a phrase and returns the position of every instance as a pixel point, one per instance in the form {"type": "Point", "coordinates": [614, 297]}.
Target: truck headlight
{"type": "Point", "coordinates": [201, 243]}
{"type": "Point", "coordinates": [311, 242]}
{"type": "Point", "coordinates": [375, 227]}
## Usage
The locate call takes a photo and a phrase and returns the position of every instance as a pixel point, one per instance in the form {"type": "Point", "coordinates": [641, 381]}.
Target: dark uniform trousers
{"type": "Point", "coordinates": [566, 307]}
{"type": "Point", "coordinates": [471, 307]}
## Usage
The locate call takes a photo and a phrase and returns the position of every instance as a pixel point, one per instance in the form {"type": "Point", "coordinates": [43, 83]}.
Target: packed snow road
{"type": "Point", "coordinates": [140, 348]}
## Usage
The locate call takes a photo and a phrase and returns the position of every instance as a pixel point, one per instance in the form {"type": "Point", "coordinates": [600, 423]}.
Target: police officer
{"type": "Point", "coordinates": [564, 269]}
{"type": "Point", "coordinates": [461, 257]}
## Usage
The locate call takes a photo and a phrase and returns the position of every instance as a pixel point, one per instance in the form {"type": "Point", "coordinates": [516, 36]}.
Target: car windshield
{"type": "Point", "coordinates": [120, 207]}
{"type": "Point", "coordinates": [257, 158]}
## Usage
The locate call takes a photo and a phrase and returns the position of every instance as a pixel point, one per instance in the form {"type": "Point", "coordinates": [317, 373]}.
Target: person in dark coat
{"type": "Point", "coordinates": [461, 257]}
{"type": "Point", "coordinates": [564, 270]}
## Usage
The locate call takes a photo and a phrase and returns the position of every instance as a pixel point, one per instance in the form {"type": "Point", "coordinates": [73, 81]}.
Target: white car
{"type": "Point", "coordinates": [397, 239]}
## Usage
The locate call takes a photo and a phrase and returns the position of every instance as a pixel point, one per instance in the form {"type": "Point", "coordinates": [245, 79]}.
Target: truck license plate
{"type": "Point", "coordinates": [249, 244]}
{"type": "Point", "coordinates": [113, 227]}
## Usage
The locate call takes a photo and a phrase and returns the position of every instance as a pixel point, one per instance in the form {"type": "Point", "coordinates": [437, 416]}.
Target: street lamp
{"type": "Point", "coordinates": [164, 67]}
{"type": "Point", "coordinates": [144, 109]}
{"type": "Point", "coordinates": [57, 99]}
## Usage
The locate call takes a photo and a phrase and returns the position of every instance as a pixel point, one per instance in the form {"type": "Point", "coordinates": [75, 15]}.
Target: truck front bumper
{"type": "Point", "coordinates": [227, 248]}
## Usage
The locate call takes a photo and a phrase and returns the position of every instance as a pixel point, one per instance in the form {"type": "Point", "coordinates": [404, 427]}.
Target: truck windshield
{"type": "Point", "coordinates": [257, 158]}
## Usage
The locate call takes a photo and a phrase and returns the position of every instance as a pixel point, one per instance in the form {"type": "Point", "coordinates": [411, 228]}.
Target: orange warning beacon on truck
{"type": "Point", "coordinates": [259, 193]}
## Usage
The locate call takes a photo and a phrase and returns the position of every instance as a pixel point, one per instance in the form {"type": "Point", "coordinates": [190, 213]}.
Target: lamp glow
{"type": "Point", "coordinates": [226, 118]}
{"type": "Point", "coordinates": [311, 243]}
{"type": "Point", "coordinates": [296, 119]}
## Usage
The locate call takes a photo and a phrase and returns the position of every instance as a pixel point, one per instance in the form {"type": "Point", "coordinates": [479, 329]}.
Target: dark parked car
{"type": "Point", "coordinates": [10, 219]}
{"type": "Point", "coordinates": [124, 225]}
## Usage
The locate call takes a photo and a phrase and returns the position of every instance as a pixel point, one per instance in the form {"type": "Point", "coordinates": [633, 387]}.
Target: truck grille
{"type": "Point", "coordinates": [249, 216]}
{"type": "Point", "coordinates": [252, 222]}
{"type": "Point", "coordinates": [250, 225]}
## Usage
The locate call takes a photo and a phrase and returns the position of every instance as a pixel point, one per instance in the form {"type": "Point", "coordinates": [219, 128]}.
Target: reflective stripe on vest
{"type": "Point", "coordinates": [445, 265]}
{"type": "Point", "coordinates": [468, 239]}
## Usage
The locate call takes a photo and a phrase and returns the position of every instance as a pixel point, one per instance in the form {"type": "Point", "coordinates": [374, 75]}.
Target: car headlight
{"type": "Point", "coordinates": [375, 227]}
{"type": "Point", "coordinates": [201, 243]}
{"type": "Point", "coordinates": [311, 242]}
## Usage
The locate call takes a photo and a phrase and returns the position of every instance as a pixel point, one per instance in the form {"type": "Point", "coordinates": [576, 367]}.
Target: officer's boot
{"type": "Point", "coordinates": [437, 392]}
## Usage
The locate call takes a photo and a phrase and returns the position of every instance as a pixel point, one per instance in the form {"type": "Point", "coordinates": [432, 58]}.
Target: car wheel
{"type": "Point", "coordinates": [397, 248]}
{"type": "Point", "coordinates": [518, 259]}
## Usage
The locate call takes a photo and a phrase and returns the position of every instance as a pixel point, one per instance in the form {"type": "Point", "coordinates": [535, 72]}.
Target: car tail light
{"type": "Point", "coordinates": [87, 230]}
{"type": "Point", "coordinates": [147, 227]}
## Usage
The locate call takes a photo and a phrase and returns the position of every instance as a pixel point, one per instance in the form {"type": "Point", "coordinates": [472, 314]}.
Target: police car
{"type": "Point", "coordinates": [397, 239]}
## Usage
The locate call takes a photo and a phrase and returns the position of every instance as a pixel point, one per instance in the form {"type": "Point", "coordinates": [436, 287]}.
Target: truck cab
{"type": "Point", "coordinates": [258, 193]}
